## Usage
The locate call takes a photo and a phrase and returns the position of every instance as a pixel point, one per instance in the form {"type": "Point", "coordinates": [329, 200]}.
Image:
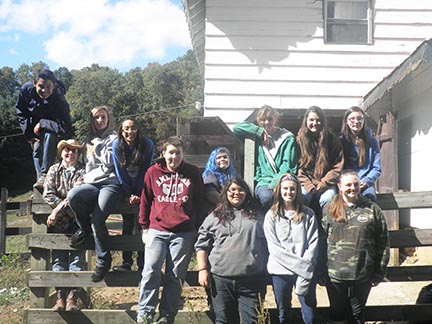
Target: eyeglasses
{"type": "Point", "coordinates": [237, 191]}
{"type": "Point", "coordinates": [72, 150]}
{"type": "Point", "coordinates": [130, 129]}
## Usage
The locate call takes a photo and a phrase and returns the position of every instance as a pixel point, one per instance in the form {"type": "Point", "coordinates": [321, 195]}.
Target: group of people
{"type": "Point", "coordinates": [314, 219]}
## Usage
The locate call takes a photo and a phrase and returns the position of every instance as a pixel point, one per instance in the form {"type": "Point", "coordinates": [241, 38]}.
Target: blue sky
{"type": "Point", "coordinates": [121, 34]}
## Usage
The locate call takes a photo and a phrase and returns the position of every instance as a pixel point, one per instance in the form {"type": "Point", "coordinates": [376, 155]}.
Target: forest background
{"type": "Point", "coordinates": [155, 95]}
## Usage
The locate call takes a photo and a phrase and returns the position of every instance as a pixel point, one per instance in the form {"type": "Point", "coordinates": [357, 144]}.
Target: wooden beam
{"type": "Point", "coordinates": [3, 221]}
{"type": "Point", "coordinates": [410, 238]}
{"type": "Point", "coordinates": [401, 200]}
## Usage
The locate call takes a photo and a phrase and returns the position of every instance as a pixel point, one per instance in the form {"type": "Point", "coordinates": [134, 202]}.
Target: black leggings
{"type": "Point", "coordinates": [348, 301]}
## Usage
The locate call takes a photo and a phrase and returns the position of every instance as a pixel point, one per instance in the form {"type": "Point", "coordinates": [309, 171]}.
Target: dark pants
{"type": "Point", "coordinates": [237, 296]}
{"type": "Point", "coordinates": [348, 301]}
{"type": "Point", "coordinates": [282, 287]}
{"type": "Point", "coordinates": [131, 226]}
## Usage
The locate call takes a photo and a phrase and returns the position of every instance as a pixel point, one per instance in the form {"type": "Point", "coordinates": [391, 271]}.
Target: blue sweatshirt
{"type": "Point", "coordinates": [132, 178]}
{"type": "Point", "coordinates": [371, 169]}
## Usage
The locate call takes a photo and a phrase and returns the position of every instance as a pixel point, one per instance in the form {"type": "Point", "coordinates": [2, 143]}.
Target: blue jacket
{"type": "Point", "coordinates": [132, 178]}
{"type": "Point", "coordinates": [53, 114]}
{"type": "Point", "coordinates": [371, 169]}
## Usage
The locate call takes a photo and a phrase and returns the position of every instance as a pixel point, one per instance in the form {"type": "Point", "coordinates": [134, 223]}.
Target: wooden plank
{"type": "Point", "coordinates": [401, 200]}
{"type": "Point", "coordinates": [40, 279]}
{"type": "Point", "coordinates": [409, 273]}
{"type": "Point", "coordinates": [62, 242]}
{"type": "Point", "coordinates": [3, 221]}
{"type": "Point", "coordinates": [11, 231]}
{"type": "Point", "coordinates": [410, 238]}
{"type": "Point", "coordinates": [87, 316]}
{"type": "Point", "coordinates": [249, 163]}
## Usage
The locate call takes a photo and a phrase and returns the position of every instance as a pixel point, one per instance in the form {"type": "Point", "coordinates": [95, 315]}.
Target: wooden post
{"type": "Point", "coordinates": [3, 221]}
{"type": "Point", "coordinates": [249, 163]}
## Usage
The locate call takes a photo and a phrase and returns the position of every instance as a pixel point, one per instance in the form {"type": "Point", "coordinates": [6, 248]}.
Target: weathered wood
{"type": "Point", "coordinates": [410, 238]}
{"type": "Point", "coordinates": [62, 242]}
{"type": "Point", "coordinates": [401, 200]}
{"type": "Point", "coordinates": [409, 273]}
{"type": "Point", "coordinates": [3, 221]}
{"type": "Point", "coordinates": [11, 231]}
{"type": "Point", "coordinates": [40, 279]}
{"type": "Point", "coordinates": [249, 162]}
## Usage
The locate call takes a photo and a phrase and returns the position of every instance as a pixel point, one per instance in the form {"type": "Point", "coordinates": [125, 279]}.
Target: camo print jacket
{"type": "Point", "coordinates": [358, 249]}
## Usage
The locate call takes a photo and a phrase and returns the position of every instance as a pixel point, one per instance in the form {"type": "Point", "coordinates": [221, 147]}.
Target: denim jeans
{"type": "Point", "coordinates": [97, 200]}
{"type": "Point", "coordinates": [175, 249]}
{"type": "Point", "coordinates": [131, 226]}
{"type": "Point", "coordinates": [282, 287]}
{"type": "Point", "coordinates": [44, 153]}
{"type": "Point", "coordinates": [323, 197]}
{"type": "Point", "coordinates": [68, 260]}
{"type": "Point", "coordinates": [236, 298]}
{"type": "Point", "coordinates": [348, 301]}
{"type": "Point", "coordinates": [369, 192]}
{"type": "Point", "coordinates": [264, 196]}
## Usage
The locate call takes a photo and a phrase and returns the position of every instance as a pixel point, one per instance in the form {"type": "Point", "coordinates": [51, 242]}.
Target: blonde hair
{"type": "Point", "coordinates": [93, 132]}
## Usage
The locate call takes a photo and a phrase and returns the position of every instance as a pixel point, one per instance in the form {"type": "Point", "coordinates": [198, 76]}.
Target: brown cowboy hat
{"type": "Point", "coordinates": [68, 143]}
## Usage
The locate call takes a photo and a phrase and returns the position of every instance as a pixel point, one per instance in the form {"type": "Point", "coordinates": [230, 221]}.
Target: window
{"type": "Point", "coordinates": [347, 21]}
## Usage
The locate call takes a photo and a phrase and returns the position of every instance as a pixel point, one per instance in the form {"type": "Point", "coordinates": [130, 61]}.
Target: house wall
{"type": "Point", "coordinates": [272, 52]}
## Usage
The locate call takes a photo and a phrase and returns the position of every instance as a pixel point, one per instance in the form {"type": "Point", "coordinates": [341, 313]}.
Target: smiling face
{"type": "Point", "coordinates": [313, 122]}
{"type": "Point", "coordinates": [349, 187]}
{"type": "Point", "coordinates": [44, 88]}
{"type": "Point", "coordinates": [288, 190]}
{"type": "Point", "coordinates": [222, 160]}
{"type": "Point", "coordinates": [236, 195]}
{"type": "Point", "coordinates": [173, 156]}
{"type": "Point", "coordinates": [100, 120]}
{"type": "Point", "coordinates": [355, 122]}
{"type": "Point", "coordinates": [69, 155]}
{"type": "Point", "coordinates": [129, 132]}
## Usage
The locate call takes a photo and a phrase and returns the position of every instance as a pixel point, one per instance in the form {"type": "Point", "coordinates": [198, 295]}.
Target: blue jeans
{"type": "Point", "coordinates": [237, 296]}
{"type": "Point", "coordinates": [282, 287]}
{"type": "Point", "coordinates": [369, 192]}
{"type": "Point", "coordinates": [98, 200]}
{"type": "Point", "coordinates": [131, 226]}
{"type": "Point", "coordinates": [264, 196]}
{"type": "Point", "coordinates": [323, 197]}
{"type": "Point", "coordinates": [44, 152]}
{"type": "Point", "coordinates": [68, 260]}
{"type": "Point", "coordinates": [175, 249]}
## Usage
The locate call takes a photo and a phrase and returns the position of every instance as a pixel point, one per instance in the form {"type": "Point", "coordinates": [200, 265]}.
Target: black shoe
{"type": "Point", "coordinates": [99, 274]}
{"type": "Point", "coordinates": [164, 320]}
{"type": "Point", "coordinates": [80, 239]}
{"type": "Point", "coordinates": [125, 267]}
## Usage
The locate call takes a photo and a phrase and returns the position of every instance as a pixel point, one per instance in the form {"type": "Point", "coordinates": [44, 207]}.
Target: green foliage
{"type": "Point", "coordinates": [12, 280]}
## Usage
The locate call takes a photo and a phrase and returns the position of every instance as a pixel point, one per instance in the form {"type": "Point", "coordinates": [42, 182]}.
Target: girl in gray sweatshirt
{"type": "Point", "coordinates": [292, 238]}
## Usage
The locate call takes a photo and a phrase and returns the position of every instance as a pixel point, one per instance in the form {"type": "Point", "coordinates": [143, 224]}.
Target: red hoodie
{"type": "Point", "coordinates": [171, 200]}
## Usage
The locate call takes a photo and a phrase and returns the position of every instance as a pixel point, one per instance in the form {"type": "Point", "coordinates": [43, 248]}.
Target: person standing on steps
{"type": "Point", "coordinates": [44, 116]}
{"type": "Point", "coordinates": [133, 155]}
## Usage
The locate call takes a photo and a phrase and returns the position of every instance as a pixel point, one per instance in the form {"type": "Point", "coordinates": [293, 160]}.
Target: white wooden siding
{"type": "Point", "coordinates": [272, 52]}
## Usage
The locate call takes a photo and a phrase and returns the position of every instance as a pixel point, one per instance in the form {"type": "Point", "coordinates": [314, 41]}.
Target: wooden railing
{"type": "Point", "coordinates": [40, 279]}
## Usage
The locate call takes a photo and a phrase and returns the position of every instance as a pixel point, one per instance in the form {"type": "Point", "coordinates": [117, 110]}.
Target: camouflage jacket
{"type": "Point", "coordinates": [358, 249]}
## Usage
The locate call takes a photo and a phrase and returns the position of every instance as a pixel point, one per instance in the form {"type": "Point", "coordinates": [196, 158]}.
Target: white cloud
{"type": "Point", "coordinates": [81, 32]}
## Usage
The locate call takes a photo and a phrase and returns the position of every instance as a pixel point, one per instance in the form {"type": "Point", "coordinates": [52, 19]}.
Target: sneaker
{"type": "Point", "coordinates": [80, 238]}
{"type": "Point", "coordinates": [99, 274]}
{"type": "Point", "coordinates": [40, 182]}
{"type": "Point", "coordinates": [145, 319]}
{"type": "Point", "coordinates": [125, 267]}
{"type": "Point", "coordinates": [164, 320]}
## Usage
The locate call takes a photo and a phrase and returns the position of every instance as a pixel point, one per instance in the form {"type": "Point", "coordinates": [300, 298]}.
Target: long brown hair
{"type": "Point", "coordinates": [278, 203]}
{"type": "Point", "coordinates": [311, 146]}
{"type": "Point", "coordinates": [361, 140]}
{"type": "Point", "coordinates": [337, 205]}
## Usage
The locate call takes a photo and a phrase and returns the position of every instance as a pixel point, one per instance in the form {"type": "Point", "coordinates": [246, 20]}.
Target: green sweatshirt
{"type": "Point", "coordinates": [285, 159]}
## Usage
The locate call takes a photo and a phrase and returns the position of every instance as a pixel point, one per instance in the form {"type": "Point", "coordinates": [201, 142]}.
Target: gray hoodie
{"type": "Point", "coordinates": [235, 249]}
{"type": "Point", "coordinates": [293, 246]}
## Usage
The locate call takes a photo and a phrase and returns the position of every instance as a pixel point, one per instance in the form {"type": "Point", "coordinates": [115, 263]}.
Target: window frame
{"type": "Point", "coordinates": [349, 22]}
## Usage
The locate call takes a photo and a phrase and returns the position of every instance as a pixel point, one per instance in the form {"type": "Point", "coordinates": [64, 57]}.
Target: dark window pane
{"type": "Point", "coordinates": [355, 34]}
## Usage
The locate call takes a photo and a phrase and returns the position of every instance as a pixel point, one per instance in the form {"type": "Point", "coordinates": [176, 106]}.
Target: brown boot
{"type": "Point", "coordinates": [71, 301]}
{"type": "Point", "coordinates": [60, 303]}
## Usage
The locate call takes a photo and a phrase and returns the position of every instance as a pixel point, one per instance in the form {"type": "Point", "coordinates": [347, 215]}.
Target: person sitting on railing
{"type": "Point", "coordinates": [277, 153]}
{"type": "Point", "coordinates": [93, 201]}
{"type": "Point", "coordinates": [361, 151]}
{"type": "Point", "coordinates": [133, 155]}
{"type": "Point", "coordinates": [60, 179]}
